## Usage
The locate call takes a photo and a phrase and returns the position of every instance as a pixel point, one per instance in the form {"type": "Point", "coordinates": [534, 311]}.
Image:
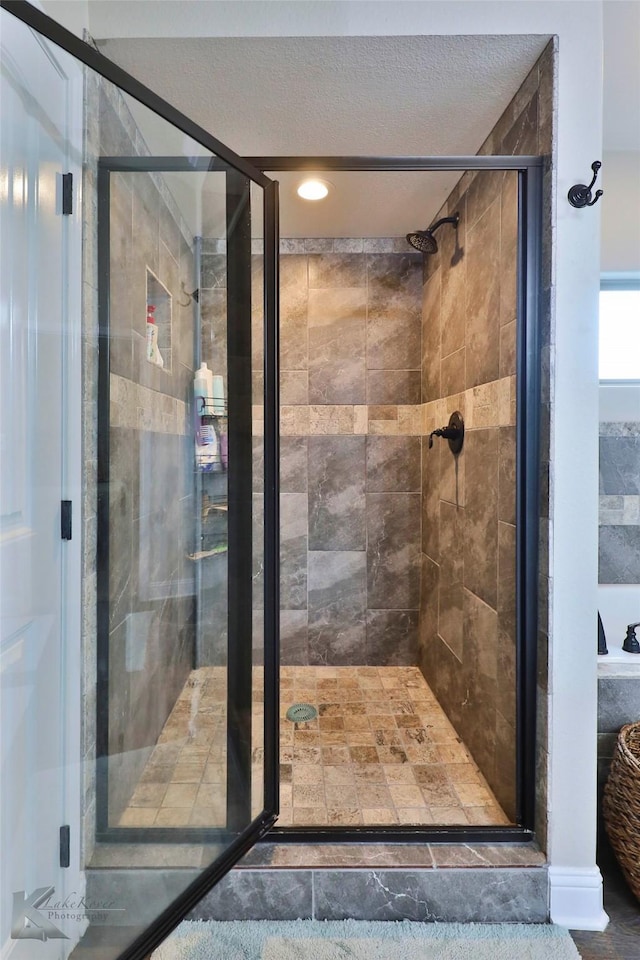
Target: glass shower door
{"type": "Point", "coordinates": [176, 515]}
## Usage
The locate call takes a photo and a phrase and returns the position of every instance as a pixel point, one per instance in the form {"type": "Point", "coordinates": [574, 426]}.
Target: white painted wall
{"type": "Point", "coordinates": [575, 880]}
{"type": "Point", "coordinates": [72, 14]}
{"type": "Point", "coordinates": [621, 211]}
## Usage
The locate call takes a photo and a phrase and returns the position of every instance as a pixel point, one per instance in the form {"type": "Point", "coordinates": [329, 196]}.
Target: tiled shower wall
{"type": "Point", "coordinates": [350, 451]}
{"type": "Point", "coordinates": [467, 617]}
{"type": "Point", "coordinates": [619, 534]}
{"type": "Point", "coordinates": [151, 594]}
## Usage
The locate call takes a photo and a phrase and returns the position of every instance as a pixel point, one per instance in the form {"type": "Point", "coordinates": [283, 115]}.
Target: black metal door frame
{"type": "Point", "coordinates": [529, 170]}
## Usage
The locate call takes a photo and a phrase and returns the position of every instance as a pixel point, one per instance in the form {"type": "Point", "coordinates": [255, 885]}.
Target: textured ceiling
{"type": "Point", "coordinates": [341, 96]}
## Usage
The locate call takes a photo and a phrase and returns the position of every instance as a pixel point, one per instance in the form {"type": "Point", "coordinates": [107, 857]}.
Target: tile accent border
{"type": "Point", "coordinates": [488, 405]}
{"type": "Point", "coordinates": [140, 408]}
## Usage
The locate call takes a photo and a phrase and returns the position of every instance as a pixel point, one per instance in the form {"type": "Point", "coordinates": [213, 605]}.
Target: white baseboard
{"type": "Point", "coordinates": [575, 898]}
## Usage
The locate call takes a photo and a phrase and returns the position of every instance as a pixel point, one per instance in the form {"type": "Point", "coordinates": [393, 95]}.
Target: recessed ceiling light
{"type": "Point", "coordinates": [314, 189]}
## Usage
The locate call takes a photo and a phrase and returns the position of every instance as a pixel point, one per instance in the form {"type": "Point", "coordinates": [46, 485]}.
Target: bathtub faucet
{"type": "Point", "coordinates": [631, 644]}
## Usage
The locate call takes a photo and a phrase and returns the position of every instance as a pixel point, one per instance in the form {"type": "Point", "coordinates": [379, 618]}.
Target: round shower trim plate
{"type": "Point", "coordinates": [301, 713]}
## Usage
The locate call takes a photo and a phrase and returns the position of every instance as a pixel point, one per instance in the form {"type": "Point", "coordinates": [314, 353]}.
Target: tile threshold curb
{"type": "Point", "coordinates": [391, 856]}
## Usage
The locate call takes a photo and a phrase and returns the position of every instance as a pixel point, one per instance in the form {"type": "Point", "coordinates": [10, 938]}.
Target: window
{"type": "Point", "coordinates": [619, 340]}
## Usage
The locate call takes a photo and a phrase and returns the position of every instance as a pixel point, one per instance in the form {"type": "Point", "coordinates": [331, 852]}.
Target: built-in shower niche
{"type": "Point", "coordinates": [159, 311]}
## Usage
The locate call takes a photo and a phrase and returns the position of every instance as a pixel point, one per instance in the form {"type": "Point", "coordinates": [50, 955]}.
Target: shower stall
{"type": "Point", "coordinates": [403, 636]}
{"type": "Point", "coordinates": [400, 623]}
{"type": "Point", "coordinates": [309, 587]}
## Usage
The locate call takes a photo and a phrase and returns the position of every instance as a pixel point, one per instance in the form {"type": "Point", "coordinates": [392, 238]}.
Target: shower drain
{"type": "Point", "coordinates": [301, 712]}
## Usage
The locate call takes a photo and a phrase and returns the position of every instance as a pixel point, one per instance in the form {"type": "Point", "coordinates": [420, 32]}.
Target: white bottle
{"type": "Point", "coordinates": [203, 389]}
{"type": "Point", "coordinates": [218, 396]}
{"type": "Point", "coordinates": [153, 351]}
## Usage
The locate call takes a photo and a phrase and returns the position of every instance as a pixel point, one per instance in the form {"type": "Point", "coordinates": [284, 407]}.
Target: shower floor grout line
{"type": "Point", "coordinates": [380, 752]}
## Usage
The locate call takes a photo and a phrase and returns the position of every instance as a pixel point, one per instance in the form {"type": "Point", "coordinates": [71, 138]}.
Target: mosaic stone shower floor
{"type": "Point", "coordinates": [381, 751]}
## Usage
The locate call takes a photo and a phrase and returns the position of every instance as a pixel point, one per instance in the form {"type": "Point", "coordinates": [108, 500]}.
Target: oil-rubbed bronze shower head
{"type": "Point", "coordinates": [424, 240]}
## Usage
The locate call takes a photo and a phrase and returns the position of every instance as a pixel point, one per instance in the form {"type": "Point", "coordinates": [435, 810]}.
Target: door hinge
{"type": "Point", "coordinates": [65, 519]}
{"type": "Point", "coordinates": [65, 846]}
{"type": "Point", "coordinates": [67, 193]}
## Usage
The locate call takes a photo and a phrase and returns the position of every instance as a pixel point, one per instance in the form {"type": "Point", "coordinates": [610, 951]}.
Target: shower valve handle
{"type": "Point", "coordinates": [448, 433]}
{"type": "Point", "coordinates": [453, 432]}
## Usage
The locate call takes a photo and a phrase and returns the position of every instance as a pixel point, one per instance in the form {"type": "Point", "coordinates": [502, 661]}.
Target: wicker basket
{"type": "Point", "coordinates": [621, 804]}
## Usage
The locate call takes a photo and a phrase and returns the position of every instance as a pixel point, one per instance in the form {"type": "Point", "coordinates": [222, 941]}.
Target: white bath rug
{"type": "Point", "coordinates": [365, 940]}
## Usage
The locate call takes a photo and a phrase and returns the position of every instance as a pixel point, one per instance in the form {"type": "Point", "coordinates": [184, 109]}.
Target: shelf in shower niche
{"type": "Point", "coordinates": [203, 554]}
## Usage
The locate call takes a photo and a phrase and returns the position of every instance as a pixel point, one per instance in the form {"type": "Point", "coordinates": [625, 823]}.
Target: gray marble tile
{"type": "Point", "coordinates": [393, 386]}
{"type": "Point", "coordinates": [481, 513]}
{"type": "Point", "coordinates": [294, 387]}
{"type": "Point", "coordinates": [393, 464]}
{"type": "Point", "coordinates": [431, 465]}
{"type": "Point", "coordinates": [337, 586]}
{"type": "Point", "coordinates": [213, 306]}
{"type": "Point", "coordinates": [480, 636]}
{"type": "Point", "coordinates": [336, 468]}
{"type": "Point", "coordinates": [482, 337]}
{"type": "Point", "coordinates": [484, 189]}
{"type": "Point", "coordinates": [337, 372]}
{"type": "Point", "coordinates": [121, 278]}
{"type": "Point", "coordinates": [508, 349]}
{"type": "Point", "coordinates": [488, 855]}
{"type": "Point", "coordinates": [504, 780]}
{"type": "Point", "coordinates": [294, 295]}
{"type": "Point", "coordinates": [506, 693]}
{"type": "Point", "coordinates": [123, 505]}
{"type": "Point", "coordinates": [318, 245]}
{"type": "Point", "coordinates": [393, 551]}
{"type": "Point", "coordinates": [452, 373]}
{"type": "Point", "coordinates": [464, 896]}
{"type": "Point", "coordinates": [450, 615]}
{"type": "Point", "coordinates": [619, 465]}
{"type": "Point", "coordinates": [618, 700]}
{"type": "Point", "coordinates": [508, 249]}
{"type": "Point", "coordinates": [294, 639]}
{"type": "Point", "coordinates": [507, 474]}
{"type": "Point", "coordinates": [429, 587]}
{"type": "Point", "coordinates": [394, 272]}
{"type": "Point", "coordinates": [522, 138]}
{"type": "Point", "coordinates": [293, 464]}
{"type": "Point", "coordinates": [619, 554]}
{"type": "Point", "coordinates": [337, 345]}
{"type": "Point", "coordinates": [452, 470]}
{"type": "Point", "coordinates": [337, 644]}
{"type": "Point", "coordinates": [431, 324]}
{"type": "Point", "coordinates": [337, 270]}
{"type": "Point", "coordinates": [138, 895]}
{"type": "Point", "coordinates": [293, 550]}
{"type": "Point", "coordinates": [348, 245]}
{"type": "Point", "coordinates": [393, 343]}
{"type": "Point", "coordinates": [392, 637]}
{"type": "Point", "coordinates": [291, 245]}
{"type": "Point", "coordinates": [450, 597]}
{"type": "Point", "coordinates": [453, 270]}
{"type": "Point", "coordinates": [337, 605]}
{"type": "Point", "coordinates": [629, 428]}
{"type": "Point", "coordinates": [258, 895]}
{"type": "Point", "coordinates": [257, 508]}
{"type": "Point", "coordinates": [257, 464]}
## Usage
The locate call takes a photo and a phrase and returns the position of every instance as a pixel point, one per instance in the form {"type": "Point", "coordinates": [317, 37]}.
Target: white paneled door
{"type": "Point", "coordinates": [34, 111]}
